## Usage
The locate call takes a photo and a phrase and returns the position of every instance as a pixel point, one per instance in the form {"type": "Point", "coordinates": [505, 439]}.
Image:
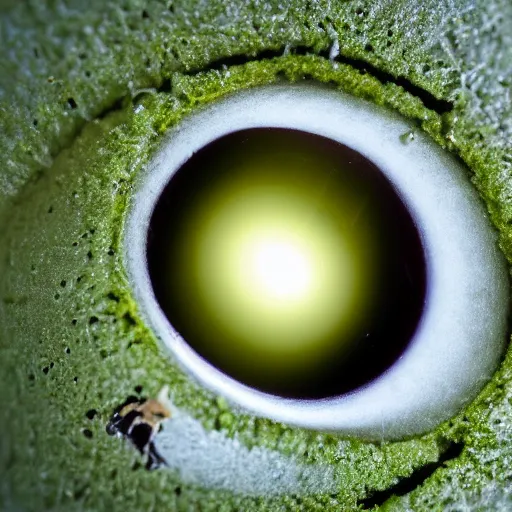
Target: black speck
{"type": "Point", "coordinates": [89, 255]}
{"type": "Point", "coordinates": [56, 296]}
{"type": "Point", "coordinates": [75, 379]}
{"type": "Point", "coordinates": [72, 103]}
{"type": "Point", "coordinates": [111, 252]}
{"type": "Point", "coordinates": [93, 320]}
{"type": "Point", "coordinates": [63, 283]}
{"type": "Point", "coordinates": [129, 319]}
{"type": "Point", "coordinates": [75, 244]}
{"type": "Point", "coordinates": [74, 321]}
{"type": "Point", "coordinates": [177, 491]}
{"type": "Point", "coordinates": [87, 433]}
{"type": "Point", "coordinates": [35, 122]}
{"type": "Point", "coordinates": [145, 14]}
{"type": "Point", "coordinates": [369, 48]}
{"type": "Point", "coordinates": [46, 370]}
{"type": "Point", "coordinates": [52, 365]}
{"type": "Point", "coordinates": [113, 296]}
{"type": "Point", "coordinates": [68, 350]}
{"type": "Point", "coordinates": [31, 377]}
{"type": "Point", "coordinates": [138, 389]}
{"type": "Point", "coordinates": [50, 210]}
{"type": "Point", "coordinates": [91, 413]}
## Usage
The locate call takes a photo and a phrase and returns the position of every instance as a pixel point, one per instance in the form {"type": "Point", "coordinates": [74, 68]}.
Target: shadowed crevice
{"type": "Point", "coordinates": [415, 479]}
{"type": "Point", "coordinates": [440, 106]}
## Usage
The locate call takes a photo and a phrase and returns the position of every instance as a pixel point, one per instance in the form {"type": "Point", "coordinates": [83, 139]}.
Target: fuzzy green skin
{"type": "Point", "coordinates": [63, 270]}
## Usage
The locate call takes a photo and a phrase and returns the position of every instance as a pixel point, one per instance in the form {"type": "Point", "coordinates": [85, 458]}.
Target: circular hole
{"type": "Point", "coordinates": [246, 269]}
{"type": "Point", "coordinates": [288, 261]}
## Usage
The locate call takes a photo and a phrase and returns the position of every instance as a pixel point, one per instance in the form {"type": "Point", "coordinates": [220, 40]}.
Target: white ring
{"type": "Point", "coordinates": [461, 337]}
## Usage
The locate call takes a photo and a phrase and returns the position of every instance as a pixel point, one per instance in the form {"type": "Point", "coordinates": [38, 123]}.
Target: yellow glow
{"type": "Point", "coordinates": [277, 258]}
{"type": "Point", "coordinates": [280, 269]}
{"type": "Point", "coordinates": [270, 258]}
{"type": "Point", "coordinates": [273, 276]}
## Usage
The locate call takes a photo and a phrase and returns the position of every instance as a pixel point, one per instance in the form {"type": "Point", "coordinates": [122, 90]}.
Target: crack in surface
{"type": "Point", "coordinates": [431, 102]}
{"type": "Point", "coordinates": [408, 484]}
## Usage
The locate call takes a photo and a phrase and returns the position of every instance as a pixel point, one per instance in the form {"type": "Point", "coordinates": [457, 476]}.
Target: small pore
{"type": "Point", "coordinates": [91, 413]}
{"type": "Point", "coordinates": [87, 433]}
{"type": "Point", "coordinates": [129, 319]}
{"type": "Point", "coordinates": [72, 103]}
{"type": "Point", "coordinates": [112, 296]}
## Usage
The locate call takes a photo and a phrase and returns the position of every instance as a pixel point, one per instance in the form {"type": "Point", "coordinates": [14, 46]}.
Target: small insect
{"type": "Point", "coordinates": [139, 420]}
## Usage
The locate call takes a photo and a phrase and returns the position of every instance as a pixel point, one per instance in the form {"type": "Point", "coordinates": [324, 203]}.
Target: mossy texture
{"type": "Point", "coordinates": [86, 91]}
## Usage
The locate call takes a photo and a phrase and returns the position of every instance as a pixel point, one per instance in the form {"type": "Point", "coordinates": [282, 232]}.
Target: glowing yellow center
{"type": "Point", "coordinates": [280, 269]}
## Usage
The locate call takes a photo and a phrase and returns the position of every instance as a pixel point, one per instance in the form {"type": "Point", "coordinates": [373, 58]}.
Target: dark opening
{"type": "Point", "coordinates": [336, 189]}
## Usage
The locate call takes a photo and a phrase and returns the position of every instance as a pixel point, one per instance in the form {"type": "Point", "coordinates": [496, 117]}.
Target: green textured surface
{"type": "Point", "coordinates": [67, 177]}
